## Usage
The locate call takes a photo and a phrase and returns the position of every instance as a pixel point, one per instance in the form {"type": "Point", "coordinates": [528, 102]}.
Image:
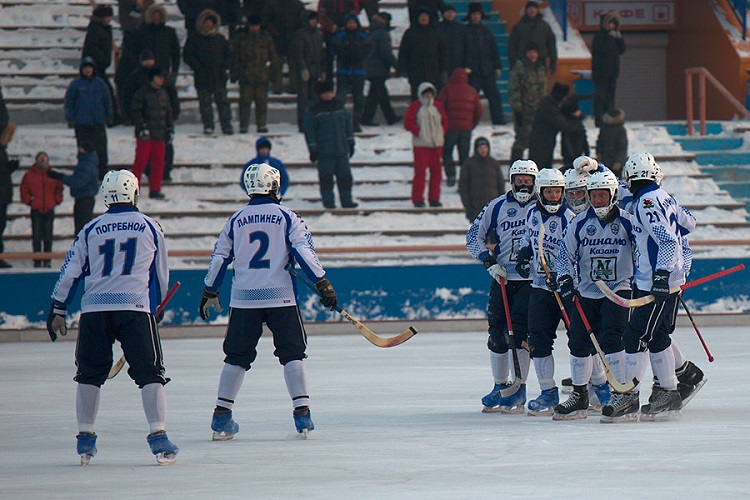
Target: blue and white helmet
{"type": "Point", "coordinates": [120, 186]}
{"type": "Point", "coordinates": [262, 178]}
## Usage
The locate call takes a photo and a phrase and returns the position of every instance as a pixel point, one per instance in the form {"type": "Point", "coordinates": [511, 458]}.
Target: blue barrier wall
{"type": "Point", "coordinates": [369, 293]}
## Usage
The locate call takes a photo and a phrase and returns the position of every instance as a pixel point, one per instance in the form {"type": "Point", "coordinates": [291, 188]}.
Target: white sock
{"type": "Point", "coordinates": [87, 406]}
{"type": "Point", "coordinates": [524, 360]}
{"type": "Point", "coordinates": [230, 383]}
{"type": "Point", "coordinates": [617, 365]}
{"type": "Point", "coordinates": [154, 400]}
{"type": "Point", "coordinates": [662, 364]}
{"type": "Point", "coordinates": [679, 358]}
{"type": "Point", "coordinates": [500, 366]}
{"type": "Point", "coordinates": [635, 367]}
{"type": "Point", "coordinates": [580, 370]}
{"type": "Point", "coordinates": [295, 376]}
{"type": "Point", "coordinates": [598, 377]}
{"type": "Point", "coordinates": [545, 372]}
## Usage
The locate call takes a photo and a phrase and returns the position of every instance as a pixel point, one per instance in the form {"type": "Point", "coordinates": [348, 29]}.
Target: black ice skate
{"type": "Point", "coordinates": [621, 408]}
{"type": "Point", "coordinates": [663, 405]}
{"type": "Point", "coordinates": [690, 379]}
{"type": "Point", "coordinates": [576, 406]}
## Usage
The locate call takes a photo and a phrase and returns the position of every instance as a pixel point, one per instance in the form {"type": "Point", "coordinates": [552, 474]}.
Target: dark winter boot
{"type": "Point", "coordinates": [576, 407]}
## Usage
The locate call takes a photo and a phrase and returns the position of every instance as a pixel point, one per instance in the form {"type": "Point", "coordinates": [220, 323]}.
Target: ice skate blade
{"type": "Point", "coordinates": [86, 458]}
{"type": "Point", "coordinates": [304, 433]}
{"type": "Point", "coordinates": [576, 415]}
{"type": "Point", "coordinates": [540, 413]}
{"type": "Point", "coordinates": [695, 391]}
{"type": "Point", "coordinates": [566, 389]}
{"type": "Point", "coordinates": [166, 458]}
{"type": "Point", "coordinates": [664, 416]}
{"type": "Point", "coordinates": [595, 409]}
{"type": "Point", "coordinates": [622, 419]}
{"type": "Point", "coordinates": [221, 436]}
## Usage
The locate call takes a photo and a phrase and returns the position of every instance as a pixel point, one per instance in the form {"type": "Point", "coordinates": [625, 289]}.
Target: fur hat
{"type": "Point", "coordinates": [559, 91]}
{"type": "Point", "coordinates": [103, 11]}
{"type": "Point", "coordinates": [475, 7]}
{"type": "Point", "coordinates": [323, 87]}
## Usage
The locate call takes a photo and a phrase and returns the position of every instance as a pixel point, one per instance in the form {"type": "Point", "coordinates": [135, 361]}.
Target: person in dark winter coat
{"type": "Point", "coordinates": [434, 7]}
{"type": "Point", "coordinates": [481, 179]}
{"type": "Point", "coordinates": [606, 49]}
{"type": "Point", "coordinates": [426, 120]}
{"type": "Point", "coordinates": [88, 108]}
{"type": "Point", "coordinates": [483, 59]}
{"type": "Point", "coordinates": [7, 167]}
{"type": "Point", "coordinates": [228, 10]}
{"type": "Point", "coordinates": [330, 139]}
{"type": "Point", "coordinates": [263, 150]}
{"type": "Point", "coordinates": [252, 54]}
{"type": "Point", "coordinates": [207, 52]}
{"type": "Point", "coordinates": [351, 47]}
{"type": "Point", "coordinates": [423, 55]}
{"type": "Point", "coordinates": [573, 143]}
{"type": "Point", "coordinates": [379, 62]}
{"type": "Point", "coordinates": [331, 14]}
{"type": "Point", "coordinates": [84, 184]}
{"type": "Point", "coordinates": [42, 193]}
{"type": "Point", "coordinates": [533, 28]}
{"type": "Point", "coordinates": [527, 87]}
{"type": "Point", "coordinates": [282, 19]}
{"type": "Point", "coordinates": [154, 126]}
{"type": "Point", "coordinates": [310, 60]}
{"type": "Point", "coordinates": [612, 144]}
{"type": "Point", "coordinates": [548, 121]}
{"type": "Point", "coordinates": [160, 39]}
{"type": "Point", "coordinates": [98, 45]}
{"type": "Point", "coordinates": [464, 110]}
{"type": "Point", "coordinates": [454, 34]}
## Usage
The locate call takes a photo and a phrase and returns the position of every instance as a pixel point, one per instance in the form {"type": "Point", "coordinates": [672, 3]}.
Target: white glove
{"type": "Point", "coordinates": [497, 271]}
{"type": "Point", "coordinates": [585, 164]}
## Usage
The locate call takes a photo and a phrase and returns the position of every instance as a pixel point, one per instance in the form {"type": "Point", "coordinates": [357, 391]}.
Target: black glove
{"type": "Point", "coordinates": [54, 174]}
{"type": "Point", "coordinates": [313, 156]}
{"type": "Point", "coordinates": [56, 320]}
{"type": "Point", "coordinates": [327, 294]}
{"type": "Point", "coordinates": [144, 134]}
{"type": "Point", "coordinates": [551, 281]}
{"type": "Point", "coordinates": [660, 286]}
{"type": "Point", "coordinates": [209, 299]}
{"type": "Point", "coordinates": [351, 150]}
{"type": "Point", "coordinates": [518, 118]}
{"type": "Point", "coordinates": [159, 317]}
{"type": "Point", "coordinates": [523, 262]}
{"type": "Point", "coordinates": [567, 290]}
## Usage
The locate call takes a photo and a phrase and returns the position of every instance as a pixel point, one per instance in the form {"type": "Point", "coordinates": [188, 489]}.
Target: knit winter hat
{"type": "Point", "coordinates": [262, 142]}
{"type": "Point", "coordinates": [253, 20]}
{"type": "Point", "coordinates": [559, 91]}
{"type": "Point", "coordinates": [323, 87]}
{"type": "Point", "coordinates": [155, 71]}
{"type": "Point", "coordinates": [103, 11]}
{"type": "Point", "coordinates": [146, 55]}
{"type": "Point", "coordinates": [481, 141]}
{"type": "Point", "coordinates": [531, 4]}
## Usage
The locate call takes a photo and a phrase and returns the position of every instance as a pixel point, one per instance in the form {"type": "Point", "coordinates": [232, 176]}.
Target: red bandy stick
{"type": "Point", "coordinates": [713, 276]}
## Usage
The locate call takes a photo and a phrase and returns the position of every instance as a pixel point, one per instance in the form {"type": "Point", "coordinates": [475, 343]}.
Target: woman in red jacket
{"type": "Point", "coordinates": [42, 193]}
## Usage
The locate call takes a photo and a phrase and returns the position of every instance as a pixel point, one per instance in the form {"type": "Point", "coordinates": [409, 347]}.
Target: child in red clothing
{"type": "Point", "coordinates": [42, 193]}
{"type": "Point", "coordinates": [427, 121]}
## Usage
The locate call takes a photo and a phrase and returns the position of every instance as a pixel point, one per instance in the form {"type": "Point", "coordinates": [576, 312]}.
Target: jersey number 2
{"type": "Point", "coordinates": [257, 261]}
{"type": "Point", "coordinates": [107, 249]}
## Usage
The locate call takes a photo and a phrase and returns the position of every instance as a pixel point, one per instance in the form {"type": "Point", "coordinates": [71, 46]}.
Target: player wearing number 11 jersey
{"type": "Point", "coordinates": [122, 258]}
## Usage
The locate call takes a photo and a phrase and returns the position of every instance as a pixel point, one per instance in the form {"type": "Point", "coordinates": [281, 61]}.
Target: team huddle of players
{"type": "Point", "coordinates": [547, 243]}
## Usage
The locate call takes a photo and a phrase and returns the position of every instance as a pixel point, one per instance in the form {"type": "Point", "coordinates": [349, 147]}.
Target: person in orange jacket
{"type": "Point", "coordinates": [42, 193]}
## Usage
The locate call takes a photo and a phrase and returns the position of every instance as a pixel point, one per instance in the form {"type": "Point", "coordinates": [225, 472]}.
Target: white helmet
{"type": "Point", "coordinates": [659, 175]}
{"type": "Point", "coordinates": [262, 178]}
{"type": "Point", "coordinates": [604, 180]}
{"type": "Point", "coordinates": [641, 166]}
{"type": "Point", "coordinates": [585, 164]}
{"type": "Point", "coordinates": [120, 186]}
{"type": "Point", "coordinates": [522, 167]}
{"type": "Point", "coordinates": [575, 181]}
{"type": "Point", "coordinates": [549, 177]}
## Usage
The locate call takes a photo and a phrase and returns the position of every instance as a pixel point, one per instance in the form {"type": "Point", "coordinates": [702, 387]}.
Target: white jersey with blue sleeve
{"type": "Point", "coordinates": [122, 257]}
{"type": "Point", "coordinates": [554, 226]}
{"type": "Point", "coordinates": [503, 221]}
{"type": "Point", "coordinates": [660, 243]}
{"type": "Point", "coordinates": [259, 241]}
{"type": "Point", "coordinates": [594, 250]}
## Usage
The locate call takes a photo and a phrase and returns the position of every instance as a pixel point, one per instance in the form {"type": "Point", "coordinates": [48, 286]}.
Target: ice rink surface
{"type": "Point", "coordinates": [403, 422]}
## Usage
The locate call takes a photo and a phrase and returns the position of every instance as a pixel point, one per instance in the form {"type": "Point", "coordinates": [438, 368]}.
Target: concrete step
{"type": "Point", "coordinates": [707, 143]}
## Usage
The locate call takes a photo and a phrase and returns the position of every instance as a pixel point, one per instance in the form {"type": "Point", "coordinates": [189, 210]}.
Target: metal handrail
{"type": "Point", "coordinates": [703, 75]}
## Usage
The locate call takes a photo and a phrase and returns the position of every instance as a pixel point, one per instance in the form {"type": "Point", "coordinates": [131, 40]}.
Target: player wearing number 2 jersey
{"type": "Point", "coordinates": [260, 241]}
{"type": "Point", "coordinates": [122, 258]}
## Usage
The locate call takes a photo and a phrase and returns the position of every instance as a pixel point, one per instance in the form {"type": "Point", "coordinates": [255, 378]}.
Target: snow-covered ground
{"type": "Point", "coordinates": [393, 423]}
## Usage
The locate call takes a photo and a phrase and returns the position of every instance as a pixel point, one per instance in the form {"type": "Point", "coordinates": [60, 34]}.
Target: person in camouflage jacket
{"type": "Point", "coordinates": [253, 51]}
{"type": "Point", "coordinates": [527, 86]}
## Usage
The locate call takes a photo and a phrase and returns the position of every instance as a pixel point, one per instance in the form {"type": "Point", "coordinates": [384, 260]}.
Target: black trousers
{"type": "Point", "coordinates": [83, 211]}
{"type": "Point", "coordinates": [460, 139]}
{"type": "Point", "coordinates": [42, 224]}
{"type": "Point", "coordinates": [378, 96]}
{"type": "Point", "coordinates": [650, 325]}
{"type": "Point", "coordinates": [518, 302]}
{"type": "Point", "coordinates": [488, 85]}
{"type": "Point", "coordinates": [97, 136]}
{"type": "Point", "coordinates": [607, 320]}
{"type": "Point", "coordinates": [3, 222]}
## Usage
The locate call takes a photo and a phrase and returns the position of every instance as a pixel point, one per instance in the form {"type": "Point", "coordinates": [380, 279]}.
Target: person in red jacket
{"type": "Point", "coordinates": [427, 122]}
{"type": "Point", "coordinates": [42, 193]}
{"type": "Point", "coordinates": [464, 110]}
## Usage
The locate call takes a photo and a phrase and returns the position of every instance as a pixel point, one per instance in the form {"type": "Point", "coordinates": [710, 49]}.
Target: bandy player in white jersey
{"type": "Point", "coordinates": [122, 258]}
{"type": "Point", "coordinates": [544, 314]}
{"type": "Point", "coordinates": [502, 223]}
{"type": "Point", "coordinates": [260, 241]}
{"type": "Point", "coordinates": [596, 246]}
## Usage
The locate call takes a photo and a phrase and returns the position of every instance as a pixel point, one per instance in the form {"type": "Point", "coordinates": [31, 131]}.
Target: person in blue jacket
{"type": "Point", "coordinates": [83, 183]}
{"type": "Point", "coordinates": [263, 149]}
